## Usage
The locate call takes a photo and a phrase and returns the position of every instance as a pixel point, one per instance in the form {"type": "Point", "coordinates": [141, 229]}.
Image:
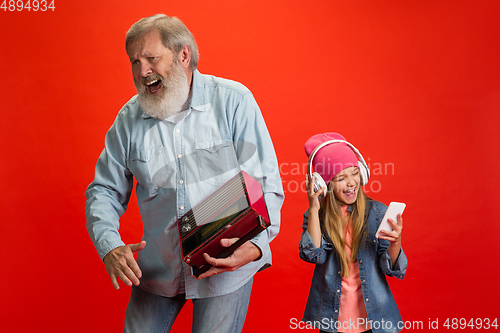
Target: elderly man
{"type": "Point", "coordinates": [182, 137]}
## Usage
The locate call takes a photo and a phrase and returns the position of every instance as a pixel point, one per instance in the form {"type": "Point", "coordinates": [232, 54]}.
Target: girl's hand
{"type": "Point", "coordinates": [393, 236]}
{"type": "Point", "coordinates": [312, 196]}
{"type": "Point", "coordinates": [313, 226]}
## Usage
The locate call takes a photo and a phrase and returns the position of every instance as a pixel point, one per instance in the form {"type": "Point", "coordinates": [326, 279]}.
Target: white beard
{"type": "Point", "coordinates": [174, 96]}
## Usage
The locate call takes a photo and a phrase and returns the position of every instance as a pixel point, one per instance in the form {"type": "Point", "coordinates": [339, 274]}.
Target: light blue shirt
{"type": "Point", "coordinates": [178, 162]}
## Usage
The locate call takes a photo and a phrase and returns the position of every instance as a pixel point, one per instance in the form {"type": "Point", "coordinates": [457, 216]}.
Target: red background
{"type": "Point", "coordinates": [415, 85]}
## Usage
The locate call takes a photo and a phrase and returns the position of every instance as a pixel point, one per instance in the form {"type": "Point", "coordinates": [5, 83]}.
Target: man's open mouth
{"type": "Point", "coordinates": [154, 86]}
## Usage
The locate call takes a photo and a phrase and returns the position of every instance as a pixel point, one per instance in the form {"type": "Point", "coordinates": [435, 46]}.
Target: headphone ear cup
{"type": "Point", "coordinates": [363, 173]}
{"type": "Point", "coordinates": [319, 182]}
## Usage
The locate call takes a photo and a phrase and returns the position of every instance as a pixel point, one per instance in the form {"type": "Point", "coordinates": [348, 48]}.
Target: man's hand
{"type": "Point", "coordinates": [120, 263]}
{"type": "Point", "coordinates": [244, 254]}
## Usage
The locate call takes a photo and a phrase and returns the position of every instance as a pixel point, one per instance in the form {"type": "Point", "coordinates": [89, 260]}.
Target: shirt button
{"type": "Point", "coordinates": [338, 290]}
{"type": "Point", "coordinates": [367, 299]}
{"type": "Point", "coordinates": [179, 156]}
{"type": "Point", "coordinates": [181, 207]}
{"type": "Point", "coordinates": [363, 281]}
{"type": "Point", "coordinates": [336, 311]}
{"type": "Point", "coordinates": [177, 131]}
{"type": "Point", "coordinates": [361, 261]}
{"type": "Point", "coordinates": [181, 181]}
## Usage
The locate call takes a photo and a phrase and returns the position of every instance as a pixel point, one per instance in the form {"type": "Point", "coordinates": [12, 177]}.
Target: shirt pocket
{"type": "Point", "coordinates": [216, 158]}
{"type": "Point", "coordinates": [148, 166]}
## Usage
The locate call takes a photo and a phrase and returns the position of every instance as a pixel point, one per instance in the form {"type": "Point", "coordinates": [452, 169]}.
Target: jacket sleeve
{"type": "Point", "coordinates": [376, 214]}
{"type": "Point", "coordinates": [384, 261]}
{"type": "Point", "coordinates": [307, 250]}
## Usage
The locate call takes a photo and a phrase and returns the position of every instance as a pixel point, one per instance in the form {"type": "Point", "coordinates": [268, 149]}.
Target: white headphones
{"type": "Point", "coordinates": [364, 171]}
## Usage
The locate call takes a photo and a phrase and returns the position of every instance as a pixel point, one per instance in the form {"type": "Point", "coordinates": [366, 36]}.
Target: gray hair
{"type": "Point", "coordinates": [174, 34]}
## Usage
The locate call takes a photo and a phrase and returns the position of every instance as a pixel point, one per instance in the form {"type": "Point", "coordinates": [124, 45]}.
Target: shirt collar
{"type": "Point", "coordinates": [198, 100]}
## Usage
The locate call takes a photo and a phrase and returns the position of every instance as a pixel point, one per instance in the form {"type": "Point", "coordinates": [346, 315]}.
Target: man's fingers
{"type": "Point", "coordinates": [219, 262]}
{"type": "Point", "coordinates": [121, 265]}
{"type": "Point", "coordinates": [114, 281]}
{"type": "Point", "coordinates": [227, 242]}
{"type": "Point", "coordinates": [244, 254]}
{"type": "Point", "coordinates": [117, 273]}
{"type": "Point", "coordinates": [211, 260]}
{"type": "Point", "coordinates": [210, 272]}
{"type": "Point", "coordinates": [220, 265]}
{"type": "Point", "coordinates": [128, 276]}
{"type": "Point", "coordinates": [137, 247]}
{"type": "Point", "coordinates": [124, 278]}
{"type": "Point", "coordinates": [136, 272]}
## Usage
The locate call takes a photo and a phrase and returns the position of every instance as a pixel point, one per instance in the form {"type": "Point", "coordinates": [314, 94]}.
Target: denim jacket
{"type": "Point", "coordinates": [322, 308]}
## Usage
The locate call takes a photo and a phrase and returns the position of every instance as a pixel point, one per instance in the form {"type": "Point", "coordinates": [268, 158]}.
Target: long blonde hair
{"type": "Point", "coordinates": [333, 225]}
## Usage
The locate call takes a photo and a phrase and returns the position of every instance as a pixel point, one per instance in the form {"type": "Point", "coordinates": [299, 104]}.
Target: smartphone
{"type": "Point", "coordinates": [392, 212]}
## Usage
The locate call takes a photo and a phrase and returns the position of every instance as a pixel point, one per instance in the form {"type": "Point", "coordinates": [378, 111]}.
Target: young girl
{"type": "Point", "coordinates": [349, 291]}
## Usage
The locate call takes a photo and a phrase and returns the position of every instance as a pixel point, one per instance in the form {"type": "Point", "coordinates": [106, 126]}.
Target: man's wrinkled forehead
{"type": "Point", "coordinates": [141, 43]}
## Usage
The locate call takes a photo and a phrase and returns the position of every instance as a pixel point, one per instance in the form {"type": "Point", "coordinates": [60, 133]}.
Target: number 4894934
{"type": "Point", "coordinates": [29, 5]}
{"type": "Point", "coordinates": [478, 323]}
